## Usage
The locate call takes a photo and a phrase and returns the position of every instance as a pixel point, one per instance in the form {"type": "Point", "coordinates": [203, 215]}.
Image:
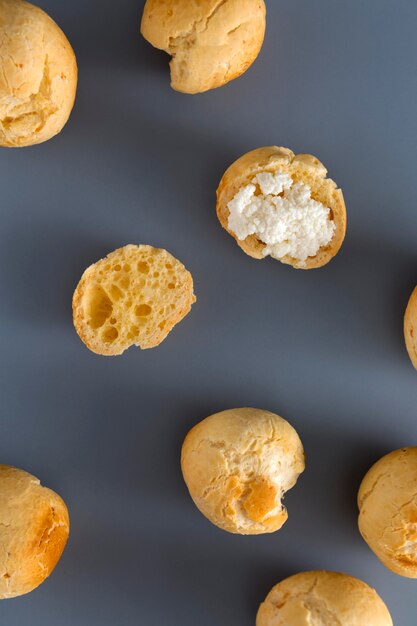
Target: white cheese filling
{"type": "Point", "coordinates": [283, 215]}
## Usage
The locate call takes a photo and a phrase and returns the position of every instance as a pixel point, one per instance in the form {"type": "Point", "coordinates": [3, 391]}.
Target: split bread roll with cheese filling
{"type": "Point", "coordinates": [279, 204]}
{"type": "Point", "coordinates": [238, 464]}
{"type": "Point", "coordinates": [210, 41]}
{"type": "Point", "coordinates": [34, 528]}
{"type": "Point", "coordinates": [323, 598]}
{"type": "Point", "coordinates": [38, 75]}
{"type": "Point", "coordinates": [135, 296]}
{"type": "Point", "coordinates": [410, 328]}
{"type": "Point", "coordinates": [387, 502]}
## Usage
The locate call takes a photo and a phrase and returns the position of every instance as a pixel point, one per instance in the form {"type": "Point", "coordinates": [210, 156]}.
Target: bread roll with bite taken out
{"type": "Point", "coordinates": [387, 502]}
{"type": "Point", "coordinates": [323, 599]}
{"type": "Point", "coordinates": [135, 296]}
{"type": "Point", "coordinates": [277, 204]}
{"type": "Point", "coordinates": [34, 528]}
{"type": "Point", "coordinates": [210, 41]}
{"type": "Point", "coordinates": [38, 77]}
{"type": "Point", "coordinates": [238, 464]}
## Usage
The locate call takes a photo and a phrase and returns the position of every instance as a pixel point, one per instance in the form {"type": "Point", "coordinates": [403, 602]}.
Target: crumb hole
{"type": "Point", "coordinates": [143, 267]}
{"type": "Point", "coordinates": [110, 334]}
{"type": "Point", "coordinates": [115, 292]}
{"type": "Point", "coordinates": [143, 309]}
{"type": "Point", "coordinates": [98, 306]}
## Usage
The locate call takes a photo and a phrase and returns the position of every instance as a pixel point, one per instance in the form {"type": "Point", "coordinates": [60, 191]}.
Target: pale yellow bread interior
{"type": "Point", "coordinates": [34, 528]}
{"type": "Point", "coordinates": [135, 296]}
{"type": "Point", "coordinates": [38, 75]}
{"type": "Point", "coordinates": [303, 167]}
{"type": "Point", "coordinates": [210, 41]}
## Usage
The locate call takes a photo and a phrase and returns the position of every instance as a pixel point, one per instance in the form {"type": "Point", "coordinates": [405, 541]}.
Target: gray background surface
{"type": "Point", "coordinates": [139, 163]}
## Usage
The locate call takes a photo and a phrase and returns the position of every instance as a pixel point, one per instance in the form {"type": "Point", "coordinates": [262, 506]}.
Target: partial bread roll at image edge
{"type": "Point", "coordinates": [134, 296]}
{"type": "Point", "coordinates": [275, 203]}
{"type": "Point", "coordinates": [410, 328]}
{"type": "Point", "coordinates": [34, 528]}
{"type": "Point", "coordinates": [38, 77]}
{"type": "Point", "coordinates": [238, 464]}
{"type": "Point", "coordinates": [323, 598]}
{"type": "Point", "coordinates": [211, 42]}
{"type": "Point", "coordinates": [387, 502]}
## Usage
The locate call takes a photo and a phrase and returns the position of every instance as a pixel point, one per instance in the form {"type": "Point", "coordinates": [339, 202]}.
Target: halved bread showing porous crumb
{"type": "Point", "coordinates": [135, 296]}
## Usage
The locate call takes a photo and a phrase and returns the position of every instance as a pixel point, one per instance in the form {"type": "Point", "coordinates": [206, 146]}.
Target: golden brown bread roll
{"type": "Point", "coordinates": [210, 41]}
{"type": "Point", "coordinates": [323, 599]}
{"type": "Point", "coordinates": [38, 77]}
{"type": "Point", "coordinates": [34, 528]}
{"type": "Point", "coordinates": [279, 204]}
{"type": "Point", "coordinates": [135, 296]}
{"type": "Point", "coordinates": [410, 328]}
{"type": "Point", "coordinates": [238, 464]}
{"type": "Point", "coordinates": [387, 502]}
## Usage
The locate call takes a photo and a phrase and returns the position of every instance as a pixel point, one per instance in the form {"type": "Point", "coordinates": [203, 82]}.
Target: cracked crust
{"type": "Point", "coordinates": [210, 41]}
{"type": "Point", "coordinates": [323, 598]}
{"type": "Point", "coordinates": [410, 328]}
{"type": "Point", "coordinates": [34, 528]}
{"type": "Point", "coordinates": [238, 464]}
{"type": "Point", "coordinates": [387, 503]}
{"type": "Point", "coordinates": [302, 167]}
{"type": "Point", "coordinates": [38, 75]}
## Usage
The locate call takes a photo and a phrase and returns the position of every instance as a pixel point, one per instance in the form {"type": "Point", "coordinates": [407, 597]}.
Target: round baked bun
{"type": "Point", "coordinates": [323, 599]}
{"type": "Point", "coordinates": [387, 502]}
{"type": "Point", "coordinates": [410, 328]}
{"type": "Point", "coordinates": [135, 296]}
{"type": "Point", "coordinates": [238, 464]}
{"type": "Point", "coordinates": [34, 528]}
{"type": "Point", "coordinates": [275, 203]}
{"type": "Point", "coordinates": [210, 41]}
{"type": "Point", "coordinates": [38, 77]}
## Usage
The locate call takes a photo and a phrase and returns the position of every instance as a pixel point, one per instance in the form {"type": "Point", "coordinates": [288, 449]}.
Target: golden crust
{"type": "Point", "coordinates": [323, 598]}
{"type": "Point", "coordinates": [211, 41]}
{"type": "Point", "coordinates": [410, 328]}
{"type": "Point", "coordinates": [237, 465]}
{"type": "Point", "coordinates": [38, 77]}
{"type": "Point", "coordinates": [387, 503]}
{"type": "Point", "coordinates": [303, 167]}
{"type": "Point", "coordinates": [34, 528]}
{"type": "Point", "coordinates": [134, 296]}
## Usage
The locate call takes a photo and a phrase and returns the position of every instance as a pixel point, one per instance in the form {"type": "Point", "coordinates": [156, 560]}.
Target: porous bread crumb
{"type": "Point", "coordinates": [282, 214]}
{"type": "Point", "coordinates": [135, 296]}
